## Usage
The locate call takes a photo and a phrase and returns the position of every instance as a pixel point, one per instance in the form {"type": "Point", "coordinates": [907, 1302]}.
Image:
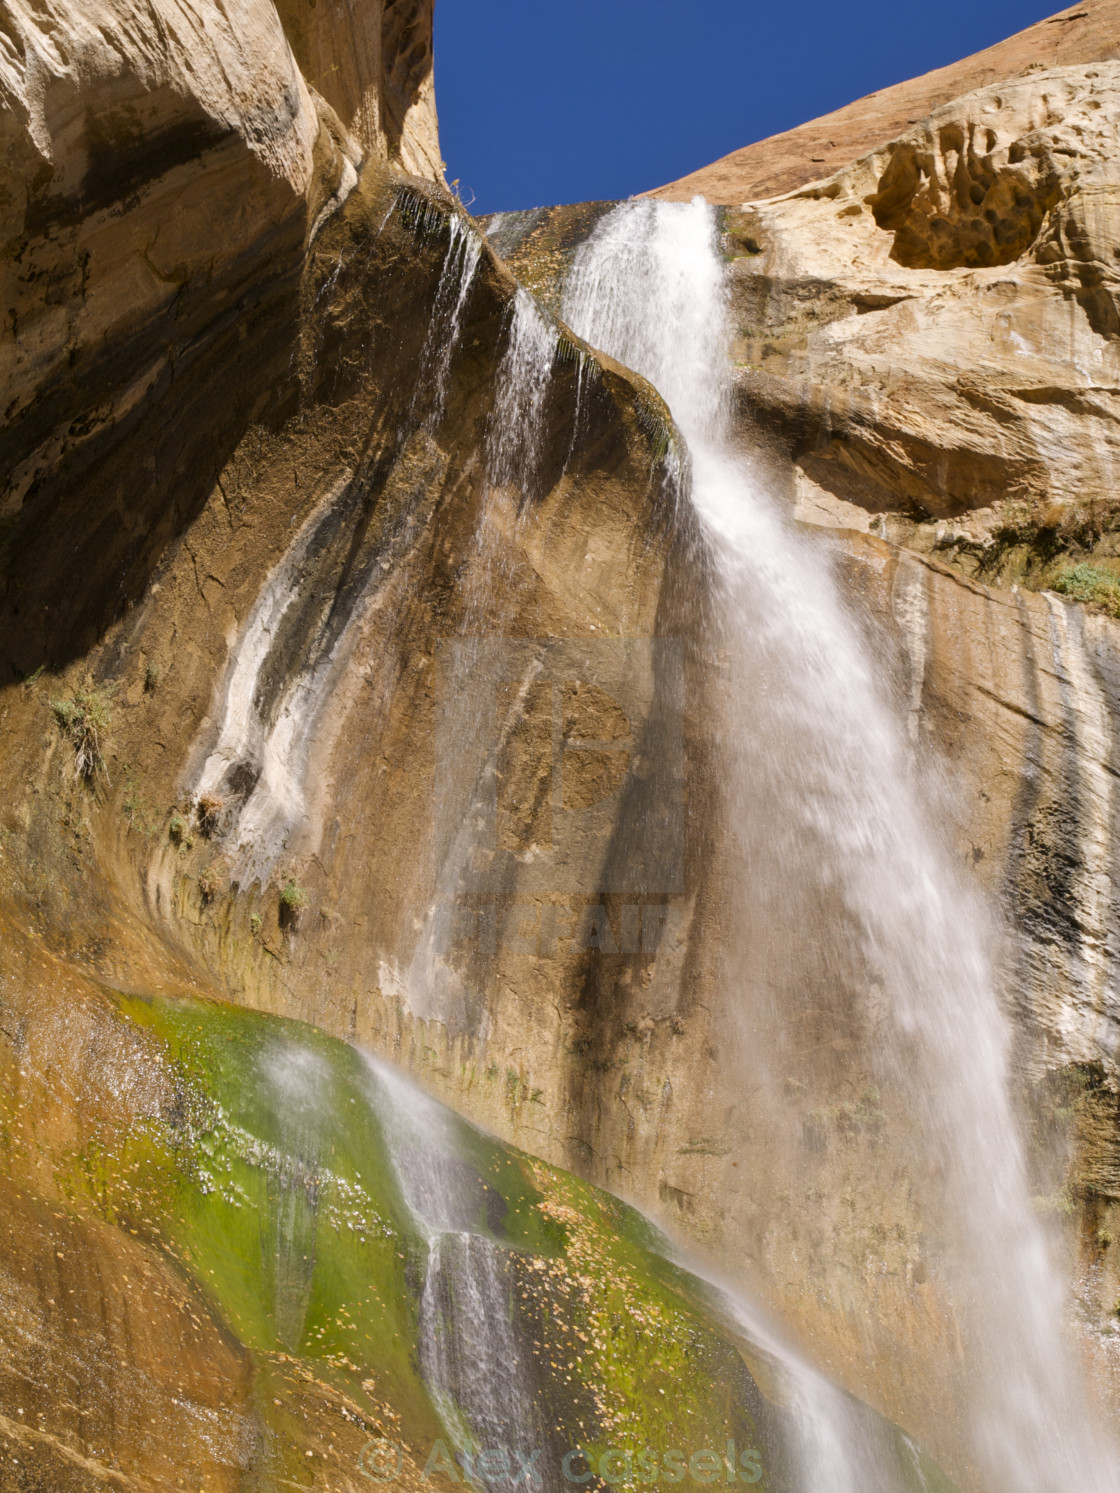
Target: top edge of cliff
{"type": "Point", "coordinates": [1079, 35]}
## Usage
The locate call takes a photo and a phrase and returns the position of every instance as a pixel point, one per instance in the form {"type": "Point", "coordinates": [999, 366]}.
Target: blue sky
{"type": "Point", "coordinates": [548, 101]}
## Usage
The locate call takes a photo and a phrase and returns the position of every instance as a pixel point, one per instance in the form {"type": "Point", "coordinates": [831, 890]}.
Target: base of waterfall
{"type": "Point", "coordinates": [363, 1279]}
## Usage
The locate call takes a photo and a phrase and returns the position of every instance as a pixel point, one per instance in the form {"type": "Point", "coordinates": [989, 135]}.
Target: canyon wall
{"type": "Point", "coordinates": [923, 359]}
{"type": "Point", "coordinates": [280, 431]}
{"type": "Point", "coordinates": [285, 437]}
{"type": "Point", "coordinates": [1079, 35]}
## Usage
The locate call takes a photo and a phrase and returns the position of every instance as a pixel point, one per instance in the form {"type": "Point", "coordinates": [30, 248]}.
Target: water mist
{"type": "Point", "coordinates": [844, 888]}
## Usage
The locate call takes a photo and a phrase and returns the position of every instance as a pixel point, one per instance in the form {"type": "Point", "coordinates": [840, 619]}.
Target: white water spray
{"type": "Point", "coordinates": [814, 752]}
{"type": "Point", "coordinates": [270, 742]}
{"type": "Point", "coordinates": [470, 1354]}
{"type": "Point", "coordinates": [838, 1445]}
{"type": "Point", "coordinates": [521, 387]}
{"type": "Point", "coordinates": [511, 457]}
{"type": "Point", "coordinates": [445, 328]}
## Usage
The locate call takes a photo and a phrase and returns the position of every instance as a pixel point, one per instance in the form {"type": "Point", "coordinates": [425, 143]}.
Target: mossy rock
{"type": "Point", "coordinates": [269, 1177]}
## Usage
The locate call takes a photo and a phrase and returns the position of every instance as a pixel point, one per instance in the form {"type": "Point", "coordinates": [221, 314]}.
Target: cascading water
{"type": "Point", "coordinates": [470, 1355]}
{"type": "Point", "coordinates": [837, 1444]}
{"type": "Point", "coordinates": [511, 457]}
{"type": "Point", "coordinates": [464, 250]}
{"type": "Point", "coordinates": [522, 386]}
{"type": "Point", "coordinates": [272, 706]}
{"type": "Point", "coordinates": [475, 1357]}
{"type": "Point", "coordinates": [851, 887]}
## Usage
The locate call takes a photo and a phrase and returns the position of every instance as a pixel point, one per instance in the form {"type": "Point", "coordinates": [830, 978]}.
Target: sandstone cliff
{"type": "Point", "coordinates": [925, 344]}
{"type": "Point", "coordinates": [164, 169]}
{"type": "Point", "coordinates": [266, 391]}
{"type": "Point", "coordinates": [1081, 34]}
{"type": "Point", "coordinates": [283, 437]}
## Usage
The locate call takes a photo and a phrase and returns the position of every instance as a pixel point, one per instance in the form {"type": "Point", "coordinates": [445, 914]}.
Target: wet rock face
{"type": "Point", "coordinates": [925, 342]}
{"type": "Point", "coordinates": [233, 1249]}
{"type": "Point", "coordinates": [259, 391]}
{"type": "Point", "coordinates": [267, 397]}
{"type": "Point", "coordinates": [899, 340]}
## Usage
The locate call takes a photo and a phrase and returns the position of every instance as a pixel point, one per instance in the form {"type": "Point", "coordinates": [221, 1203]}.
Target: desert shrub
{"type": "Point", "coordinates": [209, 808]}
{"type": "Point", "coordinates": [1092, 584]}
{"type": "Point", "coordinates": [84, 719]}
{"type": "Point", "coordinates": [293, 899]}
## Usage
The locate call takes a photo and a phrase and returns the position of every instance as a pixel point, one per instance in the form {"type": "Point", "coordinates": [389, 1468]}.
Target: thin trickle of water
{"type": "Point", "coordinates": [511, 463]}
{"type": "Point", "coordinates": [259, 762]}
{"type": "Point", "coordinates": [275, 749]}
{"type": "Point", "coordinates": [463, 807]}
{"type": "Point", "coordinates": [298, 1079]}
{"type": "Point", "coordinates": [1089, 788]}
{"type": "Point", "coordinates": [911, 613]}
{"type": "Point", "coordinates": [524, 374]}
{"type": "Point", "coordinates": [854, 882]}
{"type": "Point", "coordinates": [445, 328]}
{"type": "Point", "coordinates": [837, 1445]}
{"type": "Point", "coordinates": [470, 1355]}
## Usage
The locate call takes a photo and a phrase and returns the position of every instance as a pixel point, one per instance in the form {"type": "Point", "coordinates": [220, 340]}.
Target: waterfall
{"type": "Point", "coordinates": [471, 1356]}
{"type": "Point", "coordinates": [511, 458]}
{"type": "Point", "coordinates": [305, 621]}
{"type": "Point", "coordinates": [521, 387]}
{"type": "Point", "coordinates": [852, 889]}
{"type": "Point", "coordinates": [474, 1353]}
{"type": "Point", "coordinates": [837, 1444]}
{"type": "Point", "coordinates": [445, 328]}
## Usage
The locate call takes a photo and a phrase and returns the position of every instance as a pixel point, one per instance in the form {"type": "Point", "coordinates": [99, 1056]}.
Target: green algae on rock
{"type": "Point", "coordinates": [270, 1180]}
{"type": "Point", "coordinates": [268, 1177]}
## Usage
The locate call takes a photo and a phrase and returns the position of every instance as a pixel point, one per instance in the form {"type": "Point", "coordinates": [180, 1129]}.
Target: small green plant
{"type": "Point", "coordinates": [84, 719]}
{"type": "Point", "coordinates": [152, 678]}
{"type": "Point", "coordinates": [1091, 584]}
{"type": "Point", "coordinates": [1059, 1202]}
{"type": "Point", "coordinates": [656, 425]}
{"type": "Point", "coordinates": [177, 829]}
{"type": "Point", "coordinates": [519, 1091]}
{"type": "Point", "coordinates": [254, 923]}
{"type": "Point", "coordinates": [208, 884]}
{"type": "Point", "coordinates": [293, 899]}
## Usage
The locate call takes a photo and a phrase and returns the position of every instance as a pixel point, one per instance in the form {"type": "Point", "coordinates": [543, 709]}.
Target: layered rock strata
{"type": "Point", "coordinates": [284, 438]}
{"type": "Point", "coordinates": [268, 396]}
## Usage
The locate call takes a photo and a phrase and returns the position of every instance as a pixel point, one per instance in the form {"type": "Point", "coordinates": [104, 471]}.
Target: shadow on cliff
{"type": "Point", "coordinates": [123, 439]}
